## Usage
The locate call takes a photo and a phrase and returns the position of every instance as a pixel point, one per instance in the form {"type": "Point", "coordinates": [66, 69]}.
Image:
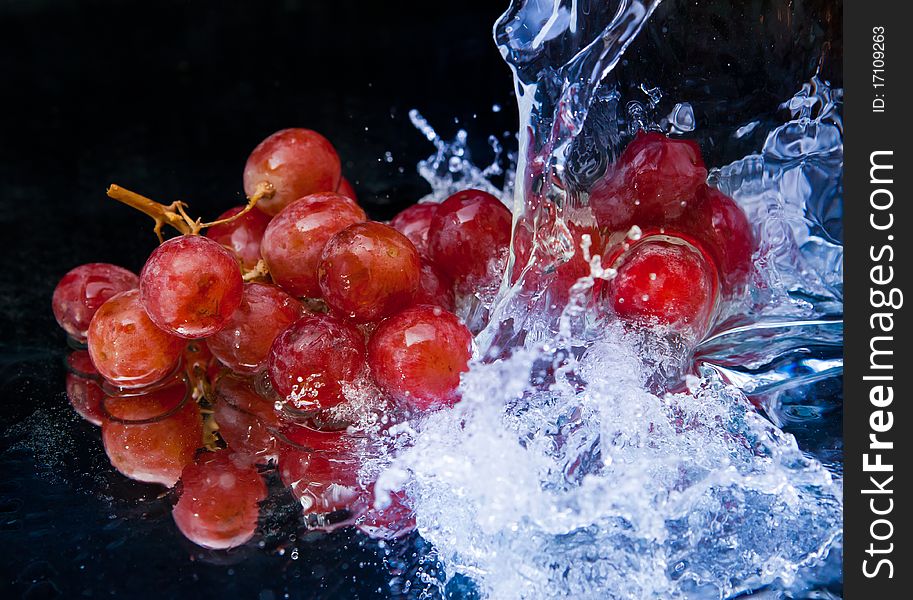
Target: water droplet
{"type": "Point", "coordinates": [746, 129]}
{"type": "Point", "coordinates": [654, 94]}
{"type": "Point", "coordinates": [681, 119]}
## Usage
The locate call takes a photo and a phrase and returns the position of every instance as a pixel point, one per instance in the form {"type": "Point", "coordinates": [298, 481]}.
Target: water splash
{"type": "Point", "coordinates": [600, 489]}
{"type": "Point", "coordinates": [791, 332]}
{"type": "Point", "coordinates": [793, 189]}
{"type": "Point", "coordinates": [562, 472]}
{"type": "Point", "coordinates": [559, 53]}
{"type": "Point", "coordinates": [450, 169]}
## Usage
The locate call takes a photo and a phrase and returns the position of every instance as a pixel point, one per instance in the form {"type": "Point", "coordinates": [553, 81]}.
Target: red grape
{"type": "Point", "coordinates": [416, 356]}
{"type": "Point", "coordinates": [662, 168]}
{"type": "Point", "coordinates": [83, 290]}
{"type": "Point", "coordinates": [309, 361]}
{"type": "Point", "coordinates": [297, 162]}
{"type": "Point", "coordinates": [320, 467]}
{"type": "Point", "coordinates": [265, 311]}
{"type": "Point", "coordinates": [665, 280]}
{"type": "Point", "coordinates": [414, 223]}
{"type": "Point", "coordinates": [308, 438]}
{"type": "Point", "coordinates": [345, 189]}
{"type": "Point", "coordinates": [243, 235]}
{"type": "Point", "coordinates": [219, 503]}
{"type": "Point", "coordinates": [369, 271]}
{"type": "Point", "coordinates": [659, 184]}
{"type": "Point", "coordinates": [79, 362]}
{"type": "Point", "coordinates": [83, 386]}
{"type": "Point", "coordinates": [724, 231]}
{"type": "Point", "coordinates": [244, 416]}
{"type": "Point", "coordinates": [295, 239]}
{"type": "Point", "coordinates": [469, 238]}
{"type": "Point", "coordinates": [126, 346]}
{"type": "Point", "coordinates": [434, 287]}
{"type": "Point", "coordinates": [152, 436]}
{"type": "Point", "coordinates": [652, 182]}
{"type": "Point", "coordinates": [190, 286]}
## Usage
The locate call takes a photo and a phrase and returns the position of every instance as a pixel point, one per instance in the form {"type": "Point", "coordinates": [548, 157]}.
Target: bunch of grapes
{"type": "Point", "coordinates": [691, 250]}
{"type": "Point", "coordinates": [259, 324]}
{"type": "Point", "coordinates": [241, 339]}
{"type": "Point", "coordinates": [674, 251]}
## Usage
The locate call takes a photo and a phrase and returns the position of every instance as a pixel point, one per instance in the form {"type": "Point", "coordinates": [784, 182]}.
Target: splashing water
{"type": "Point", "coordinates": [450, 169]}
{"type": "Point", "coordinates": [562, 472]}
{"type": "Point", "coordinates": [792, 335]}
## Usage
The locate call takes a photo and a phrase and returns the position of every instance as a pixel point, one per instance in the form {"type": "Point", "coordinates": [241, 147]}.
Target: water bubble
{"type": "Point", "coordinates": [681, 119]}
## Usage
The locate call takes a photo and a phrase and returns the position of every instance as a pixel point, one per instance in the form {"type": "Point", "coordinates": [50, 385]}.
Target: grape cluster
{"type": "Point", "coordinates": [264, 324]}
{"type": "Point", "coordinates": [680, 248]}
{"type": "Point", "coordinates": [259, 324]}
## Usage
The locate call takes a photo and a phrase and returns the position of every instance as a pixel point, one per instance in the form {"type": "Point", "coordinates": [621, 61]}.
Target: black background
{"type": "Point", "coordinates": [167, 98]}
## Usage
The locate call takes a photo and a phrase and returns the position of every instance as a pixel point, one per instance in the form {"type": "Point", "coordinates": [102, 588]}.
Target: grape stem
{"type": "Point", "coordinates": [264, 190]}
{"type": "Point", "coordinates": [175, 214]}
{"type": "Point", "coordinates": [163, 215]}
{"type": "Point", "coordinates": [259, 271]}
